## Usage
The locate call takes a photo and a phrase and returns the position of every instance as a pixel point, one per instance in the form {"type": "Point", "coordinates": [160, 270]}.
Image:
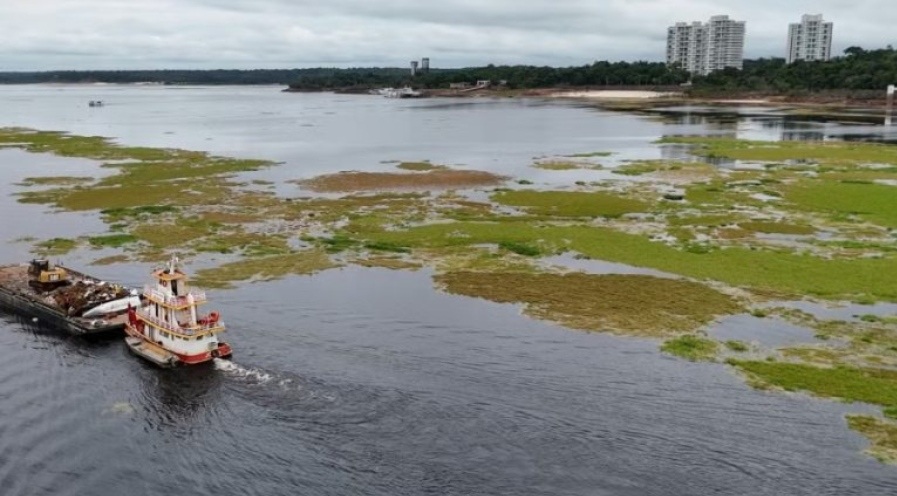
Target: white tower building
{"type": "Point", "coordinates": [810, 39]}
{"type": "Point", "coordinates": [704, 48]}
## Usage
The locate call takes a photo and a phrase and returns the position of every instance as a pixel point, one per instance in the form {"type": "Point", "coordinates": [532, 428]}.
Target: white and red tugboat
{"type": "Point", "coordinates": [168, 329]}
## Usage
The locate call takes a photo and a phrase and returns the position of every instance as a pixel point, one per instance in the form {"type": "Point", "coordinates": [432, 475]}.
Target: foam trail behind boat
{"type": "Point", "coordinates": [239, 371]}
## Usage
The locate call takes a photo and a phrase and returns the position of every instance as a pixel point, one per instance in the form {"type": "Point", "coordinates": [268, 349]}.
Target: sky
{"type": "Point", "coordinates": [38, 35]}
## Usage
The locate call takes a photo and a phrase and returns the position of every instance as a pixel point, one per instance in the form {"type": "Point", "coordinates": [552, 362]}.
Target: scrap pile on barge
{"type": "Point", "coordinates": [65, 298]}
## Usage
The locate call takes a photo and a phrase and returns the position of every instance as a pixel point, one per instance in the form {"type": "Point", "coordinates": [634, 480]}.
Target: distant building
{"type": "Point", "coordinates": [687, 46]}
{"type": "Point", "coordinates": [425, 65]}
{"type": "Point", "coordinates": [413, 68]}
{"type": "Point", "coordinates": [810, 39]}
{"type": "Point", "coordinates": [701, 48]}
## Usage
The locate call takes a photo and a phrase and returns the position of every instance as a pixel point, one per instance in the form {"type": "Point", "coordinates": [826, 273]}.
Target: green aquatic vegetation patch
{"type": "Point", "coordinates": [882, 434]}
{"type": "Point", "coordinates": [691, 347]}
{"type": "Point", "coordinates": [868, 385]}
{"type": "Point", "coordinates": [131, 195]}
{"type": "Point", "coordinates": [780, 272]}
{"type": "Point", "coordinates": [875, 203]}
{"type": "Point", "coordinates": [834, 153]}
{"type": "Point", "coordinates": [556, 165]}
{"type": "Point", "coordinates": [716, 195]}
{"type": "Point", "coordinates": [246, 243]}
{"type": "Point", "coordinates": [388, 247]}
{"type": "Point", "coordinates": [590, 154]}
{"type": "Point", "coordinates": [264, 268]}
{"type": "Point", "coordinates": [736, 346]}
{"type": "Point", "coordinates": [628, 304]}
{"type": "Point", "coordinates": [172, 235]}
{"type": "Point", "coordinates": [520, 248]}
{"type": "Point", "coordinates": [56, 246]}
{"type": "Point", "coordinates": [704, 220]}
{"type": "Point", "coordinates": [147, 176]}
{"type": "Point", "coordinates": [55, 181]}
{"type": "Point", "coordinates": [115, 214]}
{"type": "Point", "coordinates": [419, 166]}
{"type": "Point", "coordinates": [642, 167]}
{"type": "Point", "coordinates": [111, 240]}
{"type": "Point", "coordinates": [776, 228]}
{"type": "Point", "coordinates": [819, 356]}
{"type": "Point", "coordinates": [571, 203]}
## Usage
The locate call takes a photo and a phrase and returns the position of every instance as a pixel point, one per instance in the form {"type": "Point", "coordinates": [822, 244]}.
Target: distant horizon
{"type": "Point", "coordinates": [102, 35]}
{"type": "Point", "coordinates": [398, 67]}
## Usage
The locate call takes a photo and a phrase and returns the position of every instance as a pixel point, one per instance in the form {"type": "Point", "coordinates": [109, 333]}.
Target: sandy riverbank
{"type": "Point", "coordinates": [616, 94]}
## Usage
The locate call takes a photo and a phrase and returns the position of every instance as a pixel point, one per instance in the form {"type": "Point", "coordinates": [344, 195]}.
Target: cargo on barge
{"type": "Point", "coordinates": [64, 298]}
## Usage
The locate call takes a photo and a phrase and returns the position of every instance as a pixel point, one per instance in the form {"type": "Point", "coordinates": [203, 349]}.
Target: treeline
{"type": "Point", "coordinates": [202, 77]}
{"type": "Point", "coordinates": [857, 69]}
{"type": "Point", "coordinates": [318, 79]}
{"type": "Point", "coordinates": [518, 76]}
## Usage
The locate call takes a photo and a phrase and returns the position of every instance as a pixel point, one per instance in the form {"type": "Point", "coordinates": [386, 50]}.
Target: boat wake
{"type": "Point", "coordinates": [252, 374]}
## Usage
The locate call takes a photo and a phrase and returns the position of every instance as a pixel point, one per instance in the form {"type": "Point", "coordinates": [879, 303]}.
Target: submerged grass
{"type": "Point", "coordinates": [111, 241]}
{"type": "Point", "coordinates": [265, 268]}
{"type": "Point", "coordinates": [776, 228]}
{"type": "Point", "coordinates": [882, 434]}
{"type": "Point", "coordinates": [56, 246]}
{"type": "Point", "coordinates": [691, 347]}
{"type": "Point", "coordinates": [878, 386]}
{"type": "Point", "coordinates": [571, 203]}
{"type": "Point", "coordinates": [761, 270]}
{"type": "Point", "coordinates": [55, 181]}
{"type": "Point", "coordinates": [630, 304]}
{"type": "Point", "coordinates": [385, 181]}
{"type": "Point", "coordinates": [419, 166]}
{"type": "Point", "coordinates": [872, 202]}
{"type": "Point", "coordinates": [846, 153]}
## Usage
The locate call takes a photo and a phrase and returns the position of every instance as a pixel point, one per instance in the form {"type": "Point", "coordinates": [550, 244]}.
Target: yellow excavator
{"type": "Point", "coordinates": [43, 276]}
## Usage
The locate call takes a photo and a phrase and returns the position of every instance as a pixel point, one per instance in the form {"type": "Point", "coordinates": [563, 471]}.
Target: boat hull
{"type": "Point", "coordinates": [151, 351]}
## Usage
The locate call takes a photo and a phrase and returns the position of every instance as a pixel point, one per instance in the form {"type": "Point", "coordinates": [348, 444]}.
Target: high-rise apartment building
{"type": "Point", "coordinates": [810, 39]}
{"type": "Point", "coordinates": [702, 48]}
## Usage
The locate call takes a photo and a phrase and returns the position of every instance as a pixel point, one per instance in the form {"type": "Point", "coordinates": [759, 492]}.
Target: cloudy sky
{"type": "Point", "coordinates": [204, 34]}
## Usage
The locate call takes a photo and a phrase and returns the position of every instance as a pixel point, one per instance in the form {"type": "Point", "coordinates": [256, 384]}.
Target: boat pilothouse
{"type": "Point", "coordinates": [169, 328]}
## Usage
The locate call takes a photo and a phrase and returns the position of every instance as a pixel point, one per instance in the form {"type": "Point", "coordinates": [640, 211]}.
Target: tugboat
{"type": "Point", "coordinates": [168, 329]}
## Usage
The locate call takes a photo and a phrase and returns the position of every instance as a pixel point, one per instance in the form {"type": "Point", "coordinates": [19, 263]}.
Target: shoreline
{"type": "Point", "coordinates": [646, 98]}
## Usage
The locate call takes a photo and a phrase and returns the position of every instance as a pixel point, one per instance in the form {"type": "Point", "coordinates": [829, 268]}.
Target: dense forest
{"type": "Point", "coordinates": [856, 69]}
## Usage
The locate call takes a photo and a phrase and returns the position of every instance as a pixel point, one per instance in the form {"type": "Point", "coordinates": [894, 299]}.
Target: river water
{"type": "Point", "coordinates": [368, 381]}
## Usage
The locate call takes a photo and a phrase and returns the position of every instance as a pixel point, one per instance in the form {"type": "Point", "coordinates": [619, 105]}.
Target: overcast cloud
{"type": "Point", "coordinates": [244, 34]}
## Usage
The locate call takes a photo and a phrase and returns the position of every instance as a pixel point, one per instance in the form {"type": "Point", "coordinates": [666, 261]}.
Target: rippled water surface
{"type": "Point", "coordinates": [368, 381]}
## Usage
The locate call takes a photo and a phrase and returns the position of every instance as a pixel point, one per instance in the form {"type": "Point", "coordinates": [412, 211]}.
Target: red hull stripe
{"type": "Point", "coordinates": [224, 350]}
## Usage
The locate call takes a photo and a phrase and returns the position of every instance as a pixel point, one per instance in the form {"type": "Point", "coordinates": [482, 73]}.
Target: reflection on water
{"type": "Point", "coordinates": [760, 123]}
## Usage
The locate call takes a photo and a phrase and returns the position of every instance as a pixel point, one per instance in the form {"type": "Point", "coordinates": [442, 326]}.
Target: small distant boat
{"type": "Point", "coordinates": [168, 329]}
{"type": "Point", "coordinates": [95, 103]}
{"type": "Point", "coordinates": [406, 92]}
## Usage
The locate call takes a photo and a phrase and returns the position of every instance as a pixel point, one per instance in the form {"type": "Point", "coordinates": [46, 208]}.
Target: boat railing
{"type": "Point", "coordinates": [173, 301]}
{"type": "Point", "coordinates": [185, 331]}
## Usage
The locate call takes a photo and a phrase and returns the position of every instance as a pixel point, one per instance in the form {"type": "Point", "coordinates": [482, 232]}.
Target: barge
{"type": "Point", "coordinates": [65, 298]}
